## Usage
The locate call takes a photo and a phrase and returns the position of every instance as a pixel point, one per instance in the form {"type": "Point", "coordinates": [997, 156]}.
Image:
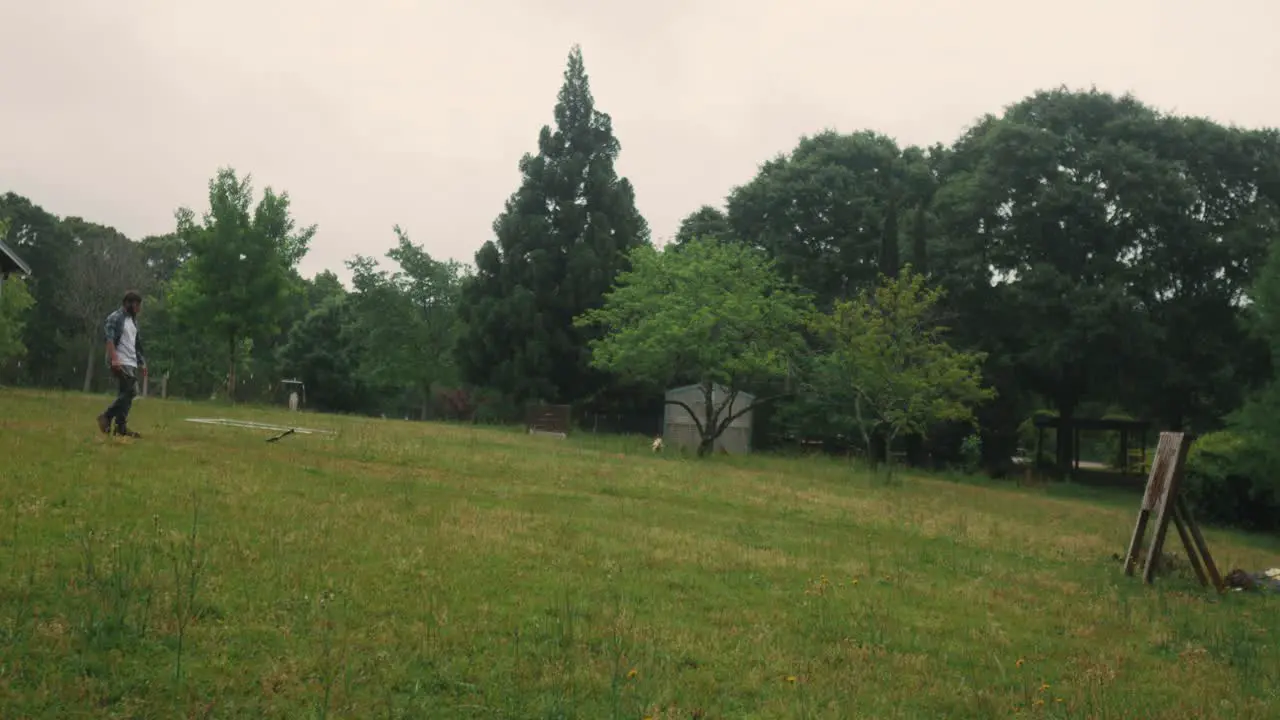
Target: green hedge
{"type": "Point", "coordinates": [1229, 481]}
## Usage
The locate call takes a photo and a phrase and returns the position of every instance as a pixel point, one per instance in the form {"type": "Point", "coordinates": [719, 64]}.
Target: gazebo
{"type": "Point", "coordinates": [1074, 426]}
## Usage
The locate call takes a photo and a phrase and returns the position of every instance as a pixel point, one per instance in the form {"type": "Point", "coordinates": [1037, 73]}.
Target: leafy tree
{"type": "Point", "coordinates": [891, 369]}
{"type": "Point", "coordinates": [324, 351]}
{"type": "Point", "coordinates": [919, 183]}
{"type": "Point", "coordinates": [830, 213]}
{"type": "Point", "coordinates": [707, 223]}
{"type": "Point", "coordinates": [409, 319]}
{"type": "Point", "coordinates": [163, 255]}
{"type": "Point", "coordinates": [1086, 233]}
{"type": "Point", "coordinates": [15, 301]}
{"type": "Point", "coordinates": [1206, 248]}
{"type": "Point", "coordinates": [322, 287]}
{"type": "Point", "coordinates": [45, 245]}
{"type": "Point", "coordinates": [303, 297]}
{"type": "Point", "coordinates": [824, 211]}
{"type": "Point", "coordinates": [1259, 419]}
{"type": "Point", "coordinates": [708, 312]}
{"type": "Point", "coordinates": [561, 240]}
{"type": "Point", "coordinates": [1042, 209]}
{"type": "Point", "coordinates": [102, 265]}
{"type": "Point", "coordinates": [1234, 476]}
{"type": "Point", "coordinates": [238, 279]}
{"type": "Point", "coordinates": [184, 358]}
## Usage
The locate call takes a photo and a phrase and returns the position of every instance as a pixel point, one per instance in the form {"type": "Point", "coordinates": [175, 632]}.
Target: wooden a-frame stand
{"type": "Point", "coordinates": [1163, 499]}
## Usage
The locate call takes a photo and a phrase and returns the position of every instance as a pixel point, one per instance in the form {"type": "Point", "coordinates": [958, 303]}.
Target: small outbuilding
{"type": "Point", "coordinates": [680, 430]}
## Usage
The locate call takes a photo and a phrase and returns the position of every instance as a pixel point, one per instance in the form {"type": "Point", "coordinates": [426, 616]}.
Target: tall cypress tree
{"type": "Point", "coordinates": [559, 243]}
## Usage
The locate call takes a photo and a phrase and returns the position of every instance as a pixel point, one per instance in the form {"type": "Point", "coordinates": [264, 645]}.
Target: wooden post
{"type": "Point", "coordinates": [164, 386]}
{"type": "Point", "coordinates": [1161, 497]}
{"type": "Point", "coordinates": [1197, 539]}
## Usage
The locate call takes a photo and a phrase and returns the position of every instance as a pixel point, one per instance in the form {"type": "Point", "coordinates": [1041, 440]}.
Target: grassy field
{"type": "Point", "coordinates": [398, 570]}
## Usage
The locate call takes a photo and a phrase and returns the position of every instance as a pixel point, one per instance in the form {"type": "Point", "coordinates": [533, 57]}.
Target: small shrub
{"type": "Point", "coordinates": [1227, 481]}
{"type": "Point", "coordinates": [971, 452]}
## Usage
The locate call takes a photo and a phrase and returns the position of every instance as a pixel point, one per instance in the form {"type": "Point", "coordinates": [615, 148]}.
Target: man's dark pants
{"type": "Point", "coordinates": [127, 378]}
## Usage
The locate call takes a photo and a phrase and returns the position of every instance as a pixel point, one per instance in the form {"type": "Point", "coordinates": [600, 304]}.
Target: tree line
{"type": "Point", "coordinates": [1077, 254]}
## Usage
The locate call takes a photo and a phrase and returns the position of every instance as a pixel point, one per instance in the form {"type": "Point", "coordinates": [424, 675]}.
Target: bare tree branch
{"type": "Point", "coordinates": [100, 269]}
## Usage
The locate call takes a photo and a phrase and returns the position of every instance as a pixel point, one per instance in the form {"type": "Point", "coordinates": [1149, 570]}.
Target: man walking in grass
{"type": "Point", "coordinates": [124, 352]}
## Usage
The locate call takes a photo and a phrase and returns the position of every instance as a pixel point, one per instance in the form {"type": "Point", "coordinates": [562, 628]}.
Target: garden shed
{"type": "Point", "coordinates": [680, 430]}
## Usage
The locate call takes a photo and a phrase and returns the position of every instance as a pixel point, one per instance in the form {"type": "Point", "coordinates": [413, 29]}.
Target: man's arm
{"type": "Point", "coordinates": [111, 355]}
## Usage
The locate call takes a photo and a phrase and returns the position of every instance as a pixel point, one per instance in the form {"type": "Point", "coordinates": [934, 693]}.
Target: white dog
{"type": "Point", "coordinates": [657, 443]}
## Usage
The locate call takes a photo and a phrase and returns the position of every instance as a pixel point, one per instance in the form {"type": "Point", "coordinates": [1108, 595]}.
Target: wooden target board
{"type": "Point", "coordinates": [1162, 499]}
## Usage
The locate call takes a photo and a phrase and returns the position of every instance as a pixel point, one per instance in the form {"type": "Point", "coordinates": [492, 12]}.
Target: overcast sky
{"type": "Point", "coordinates": [417, 111]}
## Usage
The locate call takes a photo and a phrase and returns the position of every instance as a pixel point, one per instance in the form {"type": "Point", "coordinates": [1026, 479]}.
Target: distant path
{"type": "Point", "coordinates": [1084, 464]}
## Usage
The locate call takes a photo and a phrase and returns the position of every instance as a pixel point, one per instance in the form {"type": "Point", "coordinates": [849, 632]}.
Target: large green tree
{"type": "Point", "coordinates": [1082, 231]}
{"type": "Point", "coordinates": [1201, 255]}
{"type": "Point", "coordinates": [324, 351]}
{"type": "Point", "coordinates": [1037, 205]}
{"type": "Point", "coordinates": [185, 360]}
{"type": "Point", "coordinates": [828, 212]}
{"type": "Point", "coordinates": [835, 213]}
{"type": "Point", "coordinates": [707, 312]}
{"type": "Point", "coordinates": [409, 321]}
{"type": "Point", "coordinates": [239, 277]}
{"type": "Point", "coordinates": [15, 302]}
{"type": "Point", "coordinates": [163, 256]}
{"type": "Point", "coordinates": [560, 241]}
{"type": "Point", "coordinates": [44, 244]}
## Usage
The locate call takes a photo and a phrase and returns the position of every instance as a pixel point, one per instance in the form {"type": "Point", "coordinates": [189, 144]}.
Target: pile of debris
{"type": "Point", "coordinates": [1267, 580]}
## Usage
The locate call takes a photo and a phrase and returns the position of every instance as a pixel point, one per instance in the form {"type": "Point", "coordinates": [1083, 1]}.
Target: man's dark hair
{"type": "Point", "coordinates": [132, 296]}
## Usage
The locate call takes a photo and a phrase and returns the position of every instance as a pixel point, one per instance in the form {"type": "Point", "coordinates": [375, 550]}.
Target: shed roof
{"type": "Point", "coordinates": [1100, 424]}
{"type": "Point", "coordinates": [10, 262]}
